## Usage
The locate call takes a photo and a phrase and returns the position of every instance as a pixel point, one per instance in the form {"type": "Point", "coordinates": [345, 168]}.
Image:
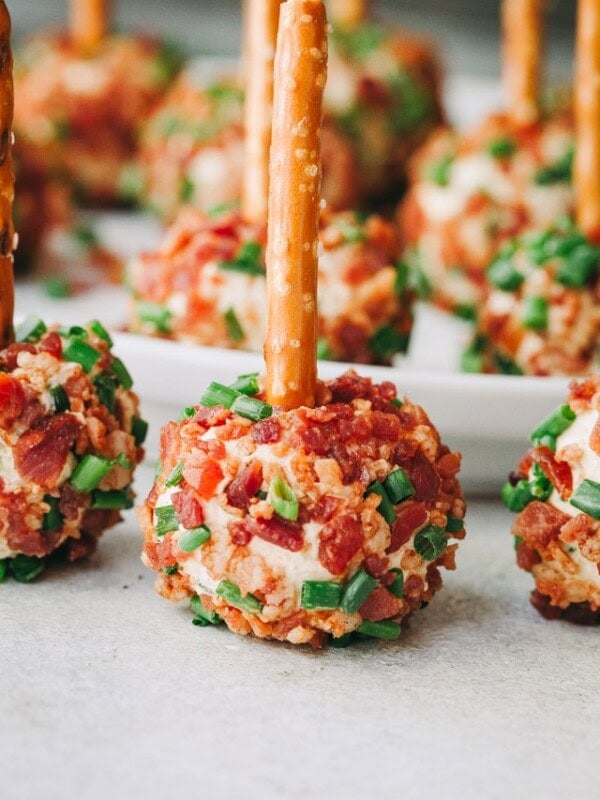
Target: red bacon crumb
{"type": "Point", "coordinates": [52, 343]}
{"type": "Point", "coordinates": [558, 472]}
{"type": "Point", "coordinates": [188, 509]}
{"type": "Point", "coordinates": [12, 400]}
{"type": "Point", "coordinates": [381, 604]}
{"type": "Point", "coordinates": [41, 452]}
{"type": "Point", "coordinates": [203, 475]}
{"type": "Point", "coordinates": [339, 541]}
{"type": "Point", "coordinates": [266, 431]}
{"type": "Point", "coordinates": [288, 535]}
{"type": "Point", "coordinates": [539, 524]}
{"type": "Point", "coordinates": [527, 558]}
{"type": "Point", "coordinates": [245, 485]}
{"type": "Point", "coordinates": [409, 517]}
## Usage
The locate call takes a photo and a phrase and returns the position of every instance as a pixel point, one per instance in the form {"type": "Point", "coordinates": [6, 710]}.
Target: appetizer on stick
{"type": "Point", "coordinates": [206, 283]}
{"type": "Point", "coordinates": [81, 96]}
{"type": "Point", "coordinates": [556, 488]}
{"type": "Point", "coordinates": [381, 101]}
{"type": "Point", "coordinates": [299, 510]}
{"type": "Point", "coordinates": [471, 194]}
{"type": "Point", "coordinates": [541, 313]}
{"type": "Point", "coordinates": [70, 434]}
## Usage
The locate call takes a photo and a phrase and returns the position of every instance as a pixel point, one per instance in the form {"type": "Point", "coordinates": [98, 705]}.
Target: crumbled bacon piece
{"type": "Point", "coordinates": [325, 508]}
{"type": "Point", "coordinates": [339, 541]}
{"type": "Point", "coordinates": [52, 343]}
{"type": "Point", "coordinates": [539, 524]}
{"type": "Point", "coordinates": [239, 533]}
{"type": "Point", "coordinates": [41, 452]}
{"type": "Point", "coordinates": [188, 509]}
{"type": "Point", "coordinates": [376, 566]}
{"type": "Point", "coordinates": [12, 400]}
{"type": "Point", "coordinates": [203, 474]}
{"type": "Point", "coordinates": [381, 604]}
{"type": "Point", "coordinates": [423, 477]}
{"type": "Point", "coordinates": [266, 431]}
{"type": "Point", "coordinates": [558, 472]}
{"type": "Point", "coordinates": [245, 485]}
{"type": "Point", "coordinates": [281, 532]}
{"type": "Point", "coordinates": [527, 558]}
{"type": "Point", "coordinates": [409, 517]}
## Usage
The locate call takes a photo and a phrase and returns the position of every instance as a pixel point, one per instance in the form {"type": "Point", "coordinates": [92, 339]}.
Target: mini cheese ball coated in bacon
{"type": "Point", "coordinates": [306, 524]}
{"type": "Point", "coordinates": [70, 438]}
{"type": "Point", "coordinates": [206, 284]}
{"type": "Point", "coordinates": [556, 495]}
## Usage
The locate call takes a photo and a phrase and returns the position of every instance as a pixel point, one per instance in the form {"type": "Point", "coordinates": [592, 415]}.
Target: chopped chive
{"type": "Point", "coordinates": [261, 495]}
{"type": "Point", "coordinates": [505, 365]}
{"type": "Point", "coordinates": [547, 440]}
{"type": "Point", "coordinates": [116, 499]}
{"type": "Point", "coordinates": [172, 570]}
{"type": "Point", "coordinates": [386, 629]}
{"type": "Point", "coordinates": [324, 352]}
{"type": "Point", "coordinates": [535, 313]}
{"type": "Point", "coordinates": [579, 268]}
{"type": "Point", "coordinates": [216, 394]}
{"type": "Point", "coordinates": [187, 413]}
{"type": "Point", "coordinates": [56, 287]}
{"type": "Point", "coordinates": [246, 384]}
{"type": "Point", "coordinates": [502, 274]}
{"type": "Point", "coordinates": [518, 540]}
{"type": "Point", "coordinates": [158, 468]}
{"type": "Point", "coordinates": [85, 235]}
{"type": "Point", "coordinates": [90, 471]}
{"type": "Point", "coordinates": [175, 476]}
{"type": "Point", "coordinates": [502, 147]}
{"type": "Point", "coordinates": [251, 408]}
{"type": "Point", "coordinates": [401, 280]}
{"type": "Point", "coordinates": [385, 507]}
{"type": "Point", "coordinates": [247, 260]}
{"type": "Point", "coordinates": [60, 399]}
{"type": "Point", "coordinates": [398, 486]}
{"type": "Point", "coordinates": [454, 524]}
{"type": "Point", "coordinates": [24, 569]}
{"type": "Point", "coordinates": [166, 520]}
{"type": "Point", "coordinates": [541, 488]}
{"type": "Point", "coordinates": [283, 499]}
{"type": "Point", "coordinates": [187, 189]}
{"type": "Point", "coordinates": [586, 498]}
{"type": "Point", "coordinates": [234, 327]}
{"type": "Point", "coordinates": [3, 569]}
{"type": "Point", "coordinates": [515, 498]}
{"type": "Point", "coordinates": [466, 312]}
{"type": "Point", "coordinates": [555, 424]}
{"type": "Point", "coordinates": [558, 172]}
{"type": "Point", "coordinates": [320, 594]}
{"type": "Point", "coordinates": [397, 586]}
{"type": "Point", "coordinates": [439, 172]}
{"type": "Point", "coordinates": [155, 314]}
{"type": "Point", "coordinates": [82, 353]}
{"type": "Point", "coordinates": [356, 591]}
{"type": "Point", "coordinates": [123, 461]}
{"type": "Point", "coordinates": [106, 386]}
{"type": "Point", "coordinates": [98, 328]}
{"type": "Point", "coordinates": [232, 594]}
{"type": "Point", "coordinates": [52, 519]}
{"type": "Point", "coordinates": [139, 430]}
{"type": "Point", "coordinates": [472, 358]}
{"type": "Point", "coordinates": [395, 401]}
{"type": "Point", "coordinates": [351, 232]}
{"type": "Point", "coordinates": [387, 341]}
{"type": "Point", "coordinates": [30, 330]}
{"type": "Point", "coordinates": [202, 615]}
{"type": "Point", "coordinates": [222, 208]}
{"type": "Point", "coordinates": [430, 542]}
{"type": "Point", "coordinates": [194, 538]}
{"type": "Point", "coordinates": [122, 373]}
{"type": "Point", "coordinates": [342, 641]}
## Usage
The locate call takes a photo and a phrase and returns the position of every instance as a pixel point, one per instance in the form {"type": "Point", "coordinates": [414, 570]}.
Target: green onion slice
{"type": "Point", "coordinates": [356, 591]}
{"type": "Point", "coordinates": [535, 313]}
{"type": "Point", "coordinates": [139, 430]}
{"type": "Point", "coordinates": [251, 408]}
{"type": "Point", "coordinates": [516, 497]}
{"type": "Point", "coordinates": [154, 314]}
{"type": "Point", "coordinates": [202, 615]}
{"type": "Point", "coordinates": [386, 629]}
{"type": "Point", "coordinates": [90, 472]}
{"type": "Point", "coordinates": [246, 384]}
{"type": "Point", "coordinates": [320, 594]}
{"type": "Point", "coordinates": [166, 520]}
{"type": "Point", "coordinates": [24, 569]}
{"type": "Point", "coordinates": [385, 507]}
{"type": "Point", "coordinates": [232, 594]}
{"type": "Point", "coordinates": [454, 524]}
{"type": "Point", "coordinates": [216, 394]}
{"type": "Point", "coordinates": [98, 328]}
{"type": "Point", "coordinates": [586, 498]}
{"type": "Point", "coordinates": [122, 373]}
{"type": "Point", "coordinates": [234, 327]}
{"type": "Point", "coordinates": [397, 587]}
{"type": "Point", "coordinates": [194, 538]}
{"type": "Point", "coordinates": [283, 499]}
{"type": "Point", "coordinates": [30, 330]}
{"type": "Point", "coordinates": [555, 424]}
{"type": "Point", "coordinates": [116, 499]}
{"type": "Point", "coordinates": [175, 476]}
{"type": "Point", "coordinates": [431, 542]}
{"type": "Point", "coordinates": [80, 352]}
{"type": "Point", "coordinates": [60, 399]}
{"type": "Point", "coordinates": [53, 519]}
{"type": "Point", "coordinates": [398, 486]}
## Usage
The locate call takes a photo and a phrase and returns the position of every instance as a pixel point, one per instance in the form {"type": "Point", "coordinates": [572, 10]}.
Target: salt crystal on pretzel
{"type": "Point", "coordinates": [522, 47]}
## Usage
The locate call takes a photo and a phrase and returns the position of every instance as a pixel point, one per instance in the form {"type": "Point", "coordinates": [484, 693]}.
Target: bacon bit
{"type": "Point", "coordinates": [423, 477]}
{"type": "Point", "coordinates": [539, 524]}
{"type": "Point", "coordinates": [239, 533]}
{"type": "Point", "coordinates": [188, 509]}
{"type": "Point", "coordinates": [595, 438]}
{"type": "Point", "coordinates": [76, 549]}
{"type": "Point", "coordinates": [339, 541]}
{"type": "Point", "coordinates": [325, 508]}
{"type": "Point", "coordinates": [527, 558]}
{"type": "Point", "coordinates": [169, 446]}
{"type": "Point", "coordinates": [40, 453]}
{"type": "Point", "coordinates": [288, 535]}
{"type": "Point", "coordinates": [348, 462]}
{"type": "Point", "coordinates": [434, 579]}
{"type": "Point", "coordinates": [409, 517]}
{"type": "Point", "coordinates": [373, 92]}
{"type": "Point", "coordinates": [11, 353]}
{"type": "Point", "coordinates": [245, 485]}
{"type": "Point", "coordinates": [160, 554]}
{"type": "Point", "coordinates": [203, 475]}
{"type": "Point", "coordinates": [413, 589]}
{"type": "Point", "coordinates": [97, 520]}
{"type": "Point", "coordinates": [380, 604]}
{"type": "Point", "coordinates": [586, 532]}
{"type": "Point", "coordinates": [211, 417]}
{"type": "Point", "coordinates": [51, 343]}
{"type": "Point", "coordinates": [525, 465]}
{"type": "Point", "coordinates": [12, 400]}
{"type": "Point", "coordinates": [266, 431]}
{"type": "Point", "coordinates": [448, 465]}
{"type": "Point", "coordinates": [376, 566]}
{"type": "Point", "coordinates": [71, 502]}
{"type": "Point", "coordinates": [281, 629]}
{"type": "Point", "coordinates": [315, 440]}
{"type": "Point", "coordinates": [350, 386]}
{"type": "Point", "coordinates": [558, 472]}
{"type": "Point", "coordinates": [19, 536]}
{"type": "Point", "coordinates": [386, 426]}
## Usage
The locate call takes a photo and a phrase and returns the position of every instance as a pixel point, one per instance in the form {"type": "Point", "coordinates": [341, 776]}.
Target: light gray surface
{"type": "Point", "coordinates": [109, 691]}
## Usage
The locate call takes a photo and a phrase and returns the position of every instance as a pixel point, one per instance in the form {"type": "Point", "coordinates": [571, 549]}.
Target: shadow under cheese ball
{"type": "Point", "coordinates": [70, 438]}
{"type": "Point", "coordinates": [555, 492]}
{"type": "Point", "coordinates": [303, 525]}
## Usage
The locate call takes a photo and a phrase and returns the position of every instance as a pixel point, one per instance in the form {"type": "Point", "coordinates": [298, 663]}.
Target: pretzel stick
{"type": "Point", "coordinates": [294, 202]}
{"type": "Point", "coordinates": [348, 13]}
{"type": "Point", "coordinates": [261, 21]}
{"type": "Point", "coordinates": [521, 56]}
{"type": "Point", "coordinates": [587, 117]}
{"type": "Point", "coordinates": [89, 21]}
{"type": "Point", "coordinates": [7, 181]}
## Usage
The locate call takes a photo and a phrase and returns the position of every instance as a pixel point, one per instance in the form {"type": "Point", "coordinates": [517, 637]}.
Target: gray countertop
{"type": "Point", "coordinates": [110, 691]}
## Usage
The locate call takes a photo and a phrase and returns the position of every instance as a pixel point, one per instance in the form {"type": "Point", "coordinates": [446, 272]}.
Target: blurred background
{"type": "Point", "coordinates": [466, 29]}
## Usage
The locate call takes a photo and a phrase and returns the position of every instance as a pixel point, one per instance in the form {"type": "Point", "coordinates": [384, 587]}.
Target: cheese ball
{"type": "Point", "coordinates": [381, 100]}
{"type": "Point", "coordinates": [206, 284]}
{"type": "Point", "coordinates": [556, 494]}
{"type": "Point", "coordinates": [471, 194]}
{"type": "Point", "coordinates": [70, 438]}
{"type": "Point", "coordinates": [541, 313]}
{"type": "Point", "coordinates": [303, 525]}
{"type": "Point", "coordinates": [77, 115]}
